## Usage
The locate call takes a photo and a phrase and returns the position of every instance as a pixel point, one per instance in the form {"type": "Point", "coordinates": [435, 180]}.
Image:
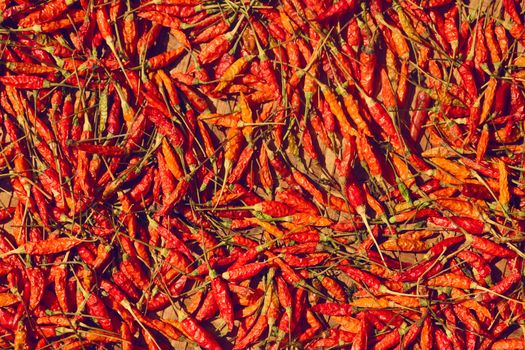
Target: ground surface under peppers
{"type": "Point", "coordinates": [262, 174]}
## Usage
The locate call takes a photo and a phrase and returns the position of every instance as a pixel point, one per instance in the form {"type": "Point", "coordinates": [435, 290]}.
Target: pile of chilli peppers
{"type": "Point", "coordinates": [236, 174]}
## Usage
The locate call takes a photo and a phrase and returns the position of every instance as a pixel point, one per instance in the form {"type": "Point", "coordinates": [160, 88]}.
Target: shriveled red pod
{"type": "Point", "coordinates": [218, 46]}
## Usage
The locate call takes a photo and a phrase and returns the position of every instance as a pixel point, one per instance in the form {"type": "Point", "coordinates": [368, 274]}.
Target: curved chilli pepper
{"type": "Point", "coordinates": [130, 34]}
{"type": "Point", "coordinates": [423, 269]}
{"type": "Point", "coordinates": [196, 18]}
{"type": "Point", "coordinates": [284, 296]}
{"type": "Point", "coordinates": [333, 309]}
{"type": "Point", "coordinates": [273, 208]}
{"type": "Point", "coordinates": [212, 31]}
{"type": "Point", "coordinates": [304, 248]}
{"type": "Point", "coordinates": [133, 270]}
{"type": "Point", "coordinates": [172, 240]}
{"type": "Point", "coordinates": [60, 275]}
{"type": "Point", "coordinates": [501, 287]}
{"type": "Point", "coordinates": [245, 272]}
{"type": "Point", "coordinates": [442, 340]}
{"type": "Point", "coordinates": [361, 339]}
{"type": "Point", "coordinates": [165, 327]}
{"type": "Point", "coordinates": [427, 334]}
{"type": "Point", "coordinates": [488, 99]}
{"type": "Point", "coordinates": [269, 228]}
{"type": "Point", "coordinates": [482, 271]}
{"type": "Point", "coordinates": [164, 59]}
{"type": "Point", "coordinates": [384, 120]}
{"type": "Point", "coordinates": [328, 117]}
{"type": "Point", "coordinates": [306, 219]}
{"type": "Point", "coordinates": [482, 313]}
{"type": "Point", "coordinates": [402, 84]}
{"type": "Point", "coordinates": [25, 82]}
{"type": "Point", "coordinates": [116, 299]}
{"type": "Point", "coordinates": [404, 245]}
{"type": "Point", "coordinates": [232, 72]}
{"type": "Point", "coordinates": [246, 325]}
{"type": "Point", "coordinates": [410, 335]}
{"type": "Point", "coordinates": [482, 167]}
{"type": "Point", "coordinates": [312, 260]}
{"type": "Point", "coordinates": [480, 49]}
{"type": "Point", "coordinates": [54, 320]}
{"type": "Point", "coordinates": [467, 318]}
{"type": "Point", "coordinates": [30, 68]}
{"type": "Point", "coordinates": [361, 276]}
{"type": "Point", "coordinates": [51, 246]}
{"type": "Point", "coordinates": [214, 263]}
{"type": "Point", "coordinates": [309, 187]}
{"type": "Point", "coordinates": [148, 39]}
{"type": "Point", "coordinates": [46, 13]}
{"type": "Point", "coordinates": [367, 59]}
{"type": "Point", "coordinates": [491, 248]}
{"type": "Point", "coordinates": [510, 8]}
{"type": "Point", "coordinates": [172, 163]}
{"type": "Point", "coordinates": [308, 143]}
{"type": "Point", "coordinates": [126, 337]}
{"type": "Point", "coordinates": [232, 147]}
{"type": "Point", "coordinates": [290, 276]}
{"type": "Point", "coordinates": [508, 344]}
{"type": "Point", "coordinates": [100, 313]}
{"type": "Point", "coordinates": [503, 42]}
{"type": "Point", "coordinates": [459, 206]}
{"type": "Point", "coordinates": [320, 131]}
{"type": "Point", "coordinates": [504, 194]}
{"type": "Point", "coordinates": [255, 332]}
{"type": "Point", "coordinates": [208, 308]}
{"type": "Point", "coordinates": [166, 179]}
{"type": "Point", "coordinates": [143, 186]}
{"type": "Point", "coordinates": [196, 332]}
{"type": "Point", "coordinates": [420, 116]}
{"type": "Point", "coordinates": [242, 163]}
{"type": "Point", "coordinates": [451, 280]}
{"type": "Point", "coordinates": [36, 281]}
{"type": "Point", "coordinates": [295, 200]}
{"type": "Point", "coordinates": [389, 341]}
{"type": "Point", "coordinates": [222, 298]}
{"type": "Point", "coordinates": [334, 289]}
{"type": "Point", "coordinates": [165, 126]}
{"type": "Point", "coordinates": [224, 120]}
{"type": "Point", "coordinates": [74, 18]}
{"type": "Point", "coordinates": [175, 197]}
{"type": "Point", "coordinates": [483, 143]}
{"type": "Point", "coordinates": [352, 109]}
{"type": "Point", "coordinates": [218, 46]}
{"type": "Point", "coordinates": [335, 107]}
{"type": "Point", "coordinates": [103, 23]}
{"type": "Point", "coordinates": [456, 339]}
{"type": "Point", "coordinates": [492, 45]}
{"type": "Point", "coordinates": [161, 18]}
{"type": "Point", "coordinates": [387, 92]}
{"type": "Point", "coordinates": [85, 251]}
{"type": "Point", "coordinates": [265, 175]}
{"type": "Point", "coordinates": [458, 224]}
{"type": "Point", "coordinates": [298, 309]}
{"type": "Point", "coordinates": [369, 158]}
